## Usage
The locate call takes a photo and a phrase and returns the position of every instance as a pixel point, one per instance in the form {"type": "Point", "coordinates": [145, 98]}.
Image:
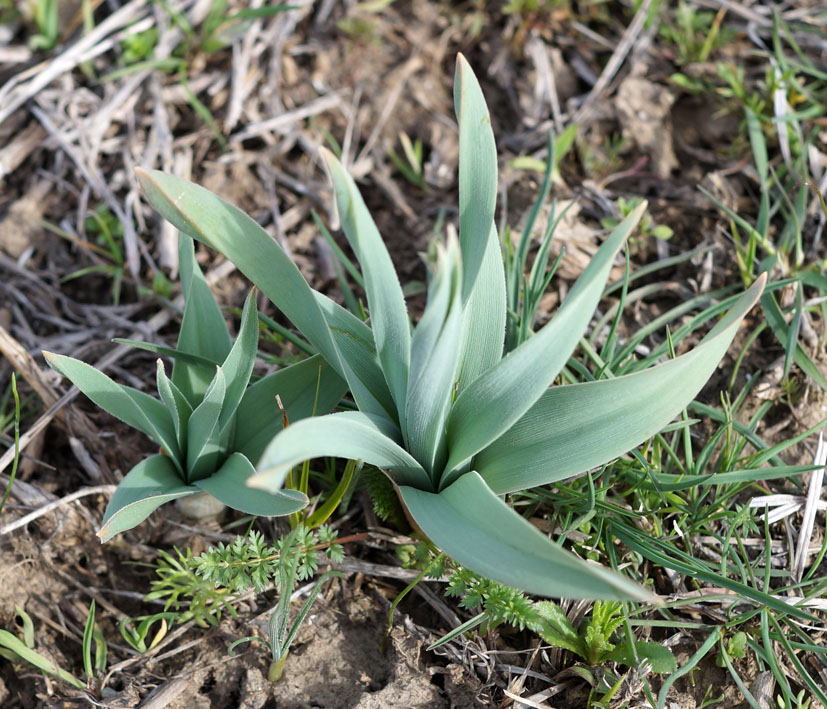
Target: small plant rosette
{"type": "Point", "coordinates": [210, 421]}
{"type": "Point", "coordinates": [454, 423]}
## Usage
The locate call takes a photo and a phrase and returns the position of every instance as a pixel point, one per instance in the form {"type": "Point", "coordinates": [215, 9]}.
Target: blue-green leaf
{"type": "Point", "coordinates": [177, 405]}
{"type": "Point", "coordinates": [491, 404]}
{"type": "Point", "coordinates": [238, 367]}
{"type": "Point", "coordinates": [307, 388]}
{"type": "Point", "coordinates": [203, 441]}
{"type": "Point", "coordinates": [205, 217]}
{"type": "Point", "coordinates": [388, 313]}
{"type": "Point", "coordinates": [229, 485]}
{"type": "Point", "coordinates": [203, 330]}
{"type": "Point", "coordinates": [352, 435]}
{"type": "Point", "coordinates": [576, 427]}
{"type": "Point", "coordinates": [435, 360]}
{"type": "Point", "coordinates": [354, 341]}
{"type": "Point", "coordinates": [484, 316]}
{"type": "Point", "coordinates": [477, 172]}
{"type": "Point", "coordinates": [131, 406]}
{"type": "Point", "coordinates": [191, 359]}
{"type": "Point", "coordinates": [476, 528]}
{"type": "Point", "coordinates": [146, 487]}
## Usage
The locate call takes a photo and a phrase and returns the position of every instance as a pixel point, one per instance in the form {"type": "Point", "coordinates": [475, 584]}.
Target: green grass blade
{"type": "Point", "coordinates": [86, 646]}
{"type": "Point", "coordinates": [663, 554]}
{"type": "Point", "coordinates": [793, 331]}
{"type": "Point", "coordinates": [477, 172]}
{"type": "Point", "coordinates": [352, 435]}
{"type": "Point", "coordinates": [506, 388]}
{"type": "Point", "coordinates": [229, 485]}
{"type": "Point", "coordinates": [146, 487]}
{"type": "Point", "coordinates": [476, 528]}
{"type": "Point", "coordinates": [579, 426]}
{"type": "Point", "coordinates": [10, 642]}
{"type": "Point", "coordinates": [775, 317]}
{"type": "Point", "coordinates": [388, 312]}
{"type": "Point", "coordinates": [759, 153]}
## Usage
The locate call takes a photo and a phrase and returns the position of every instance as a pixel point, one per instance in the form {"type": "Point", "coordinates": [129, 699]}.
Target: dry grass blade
{"type": "Point", "coordinates": [23, 521]}
{"type": "Point", "coordinates": [814, 493]}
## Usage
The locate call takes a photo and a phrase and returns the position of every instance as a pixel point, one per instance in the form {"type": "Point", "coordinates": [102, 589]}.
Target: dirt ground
{"type": "Point", "coordinates": [354, 76]}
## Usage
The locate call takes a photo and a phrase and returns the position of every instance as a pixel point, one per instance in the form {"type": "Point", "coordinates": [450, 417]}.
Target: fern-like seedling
{"type": "Point", "coordinates": [183, 591]}
{"type": "Point", "coordinates": [251, 562]}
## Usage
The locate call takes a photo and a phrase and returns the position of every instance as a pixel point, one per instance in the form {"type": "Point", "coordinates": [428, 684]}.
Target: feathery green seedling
{"type": "Point", "coordinates": [453, 423]}
{"type": "Point", "coordinates": [294, 557]}
{"type": "Point", "coordinates": [184, 592]}
{"type": "Point", "coordinates": [210, 422]}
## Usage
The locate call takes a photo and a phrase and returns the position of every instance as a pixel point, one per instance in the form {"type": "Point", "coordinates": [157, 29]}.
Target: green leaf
{"type": "Point", "coordinates": [477, 172]}
{"type": "Point", "coordinates": [556, 629]}
{"type": "Point", "coordinates": [171, 352]}
{"type": "Point", "coordinates": [227, 229]}
{"type": "Point", "coordinates": [434, 362]}
{"type": "Point", "coordinates": [203, 331]}
{"type": "Point", "coordinates": [238, 367]}
{"type": "Point", "coordinates": [229, 485]}
{"type": "Point", "coordinates": [659, 658]}
{"type": "Point", "coordinates": [86, 646]}
{"type": "Point", "coordinates": [775, 318]}
{"type": "Point", "coordinates": [484, 316]}
{"type": "Point", "coordinates": [258, 418]}
{"type": "Point", "coordinates": [177, 405]}
{"type": "Point", "coordinates": [388, 313]}
{"type": "Point", "coordinates": [10, 642]}
{"type": "Point", "coordinates": [203, 441]}
{"type": "Point", "coordinates": [352, 435]}
{"type": "Point", "coordinates": [480, 531]}
{"type": "Point", "coordinates": [146, 487]}
{"type": "Point", "coordinates": [131, 406]}
{"type": "Point", "coordinates": [489, 406]}
{"type": "Point", "coordinates": [364, 373]}
{"type": "Point", "coordinates": [576, 427]}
